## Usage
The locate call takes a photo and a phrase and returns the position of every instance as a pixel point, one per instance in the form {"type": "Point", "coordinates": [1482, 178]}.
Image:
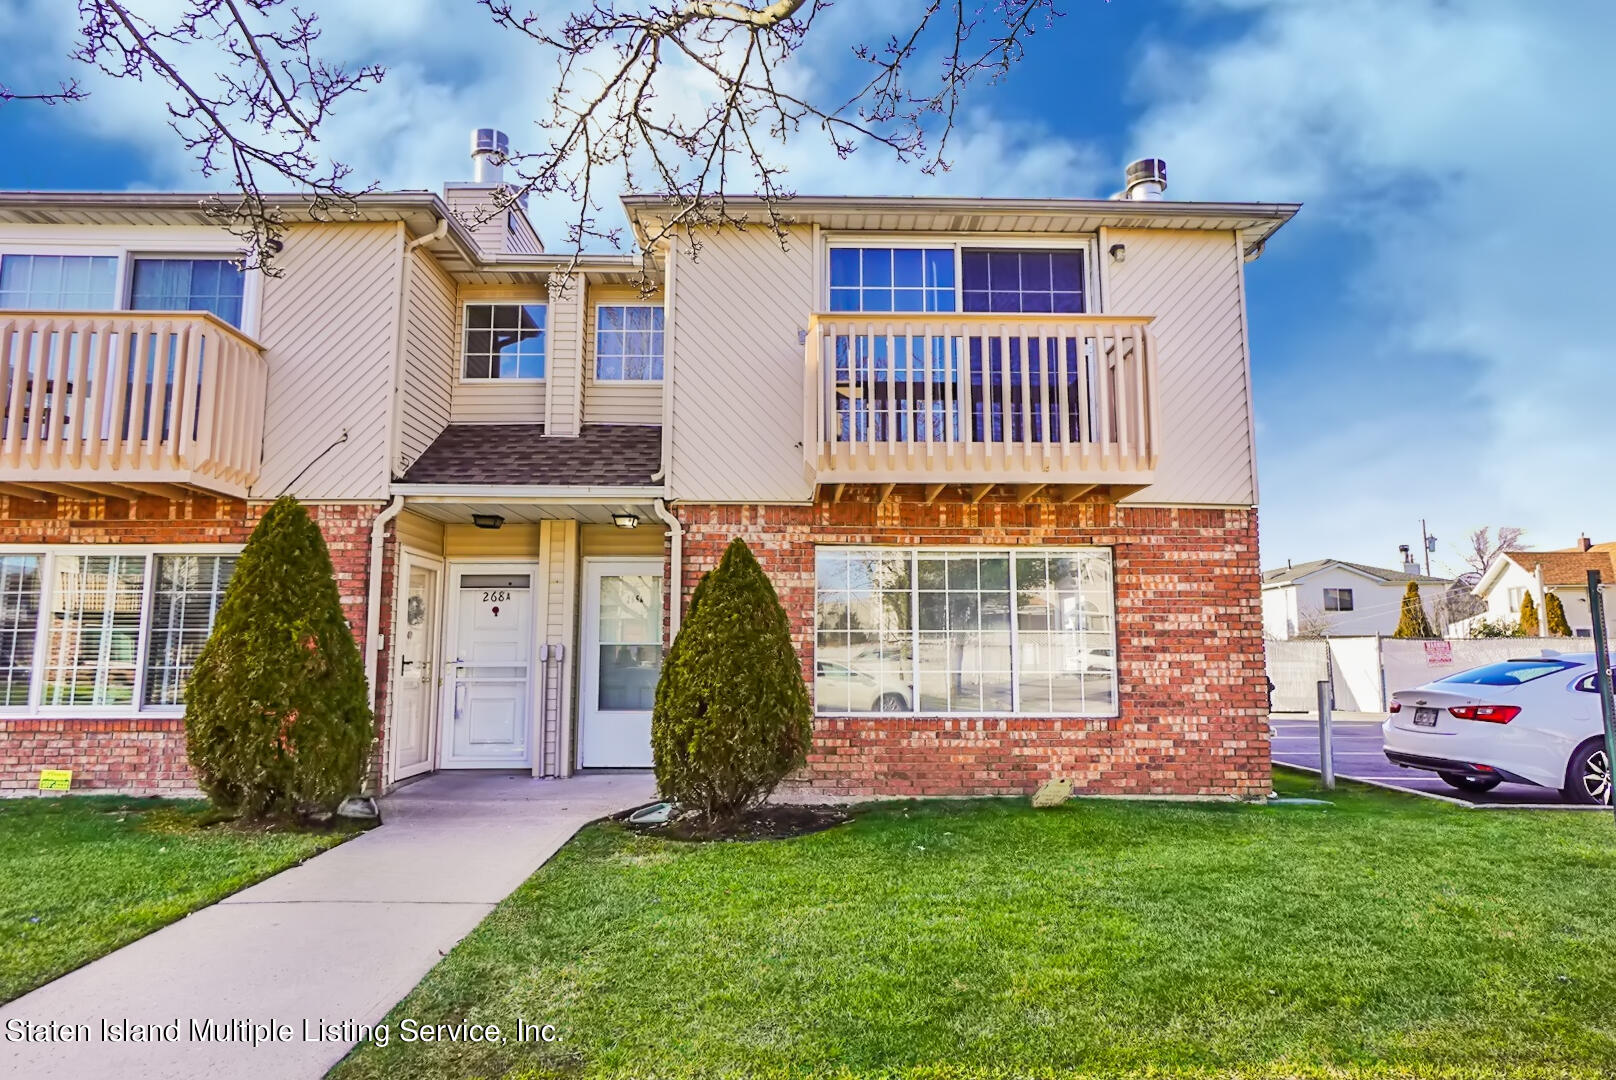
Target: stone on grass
{"type": "Point", "coordinates": [1052, 793]}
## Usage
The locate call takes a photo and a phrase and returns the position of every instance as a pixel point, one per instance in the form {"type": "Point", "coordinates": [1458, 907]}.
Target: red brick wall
{"type": "Point", "coordinates": [147, 754]}
{"type": "Point", "coordinates": [1191, 680]}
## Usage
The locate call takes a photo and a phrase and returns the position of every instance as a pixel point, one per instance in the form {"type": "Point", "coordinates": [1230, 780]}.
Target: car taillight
{"type": "Point", "coordinates": [1397, 706]}
{"type": "Point", "coordinates": [1492, 714]}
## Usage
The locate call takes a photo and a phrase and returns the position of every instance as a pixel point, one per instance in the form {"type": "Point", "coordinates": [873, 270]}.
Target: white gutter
{"type": "Point", "coordinates": [557, 493]}
{"type": "Point", "coordinates": [676, 547]}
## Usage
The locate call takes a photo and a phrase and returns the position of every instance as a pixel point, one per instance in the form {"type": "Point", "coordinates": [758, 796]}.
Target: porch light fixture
{"type": "Point", "coordinates": [487, 521]}
{"type": "Point", "coordinates": [625, 520]}
{"type": "Point", "coordinates": [1119, 253]}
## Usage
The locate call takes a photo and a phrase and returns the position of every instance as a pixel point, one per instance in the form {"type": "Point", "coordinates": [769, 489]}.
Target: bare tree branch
{"type": "Point", "coordinates": [256, 118]}
{"type": "Point", "coordinates": [64, 92]}
{"type": "Point", "coordinates": [262, 116]}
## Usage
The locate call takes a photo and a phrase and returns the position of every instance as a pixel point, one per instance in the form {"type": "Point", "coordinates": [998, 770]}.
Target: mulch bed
{"type": "Point", "coordinates": [763, 823]}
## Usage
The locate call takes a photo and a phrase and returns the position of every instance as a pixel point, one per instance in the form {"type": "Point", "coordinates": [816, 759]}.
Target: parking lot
{"type": "Point", "coordinates": [1357, 743]}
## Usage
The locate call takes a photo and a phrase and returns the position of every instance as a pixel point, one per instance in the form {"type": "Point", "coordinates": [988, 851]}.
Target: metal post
{"type": "Point", "coordinates": [1326, 745]}
{"type": "Point", "coordinates": [1607, 707]}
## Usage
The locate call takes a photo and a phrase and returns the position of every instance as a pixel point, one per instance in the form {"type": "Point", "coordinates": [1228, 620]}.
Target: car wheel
{"type": "Point", "coordinates": [891, 703]}
{"type": "Point", "coordinates": [1473, 784]}
{"type": "Point", "coordinates": [1588, 775]}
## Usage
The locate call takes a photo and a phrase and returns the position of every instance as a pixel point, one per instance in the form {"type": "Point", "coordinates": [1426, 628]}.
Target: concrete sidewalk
{"type": "Point", "coordinates": [339, 939]}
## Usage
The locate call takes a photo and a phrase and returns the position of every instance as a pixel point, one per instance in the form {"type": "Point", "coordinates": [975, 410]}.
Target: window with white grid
{"type": "Point", "coordinates": [93, 636]}
{"type": "Point", "coordinates": [186, 593]}
{"type": "Point", "coordinates": [19, 618]}
{"type": "Point", "coordinates": [961, 632]}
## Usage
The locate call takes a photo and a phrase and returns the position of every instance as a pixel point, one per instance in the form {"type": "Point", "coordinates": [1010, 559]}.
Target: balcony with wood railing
{"type": "Point", "coordinates": [128, 403]}
{"type": "Point", "coordinates": [982, 399]}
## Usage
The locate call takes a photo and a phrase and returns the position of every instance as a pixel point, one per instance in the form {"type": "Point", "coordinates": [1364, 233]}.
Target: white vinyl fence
{"type": "Point", "coordinates": [1365, 671]}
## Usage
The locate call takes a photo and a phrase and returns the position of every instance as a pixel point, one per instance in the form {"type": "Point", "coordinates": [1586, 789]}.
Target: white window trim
{"type": "Point", "coordinates": [1088, 243]}
{"type": "Point", "coordinates": [153, 248]}
{"type": "Point", "coordinates": [1015, 658]}
{"type": "Point", "coordinates": [594, 366]}
{"type": "Point", "coordinates": [48, 553]}
{"type": "Point", "coordinates": [460, 347]}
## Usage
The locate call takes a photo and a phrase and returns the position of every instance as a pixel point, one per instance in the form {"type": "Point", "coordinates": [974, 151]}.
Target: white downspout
{"type": "Point", "coordinates": [676, 538]}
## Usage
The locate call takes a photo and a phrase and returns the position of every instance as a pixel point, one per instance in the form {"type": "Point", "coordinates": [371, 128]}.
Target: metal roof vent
{"type": "Point", "coordinates": [1145, 179]}
{"type": "Point", "coordinates": [488, 149]}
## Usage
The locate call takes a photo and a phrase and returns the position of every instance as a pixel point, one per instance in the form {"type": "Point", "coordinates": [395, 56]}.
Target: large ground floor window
{"type": "Point", "coordinates": [962, 632]}
{"type": "Point", "coordinates": [105, 629]}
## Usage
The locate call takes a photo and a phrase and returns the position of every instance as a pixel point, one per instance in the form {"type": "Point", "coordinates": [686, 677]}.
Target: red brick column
{"type": "Point", "coordinates": [1191, 678]}
{"type": "Point", "coordinates": [143, 754]}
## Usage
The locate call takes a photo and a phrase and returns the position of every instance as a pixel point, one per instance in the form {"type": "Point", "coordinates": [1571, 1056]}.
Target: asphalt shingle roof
{"type": "Point", "coordinates": [1287, 574]}
{"type": "Point", "coordinates": [602, 455]}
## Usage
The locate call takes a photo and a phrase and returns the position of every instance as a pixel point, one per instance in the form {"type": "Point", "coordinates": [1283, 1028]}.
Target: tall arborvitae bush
{"type": "Point", "coordinates": [732, 714]}
{"type": "Point", "coordinates": [1412, 623]}
{"type": "Point", "coordinates": [277, 719]}
{"type": "Point", "coordinates": [1528, 625]}
{"type": "Point", "coordinates": [1554, 616]}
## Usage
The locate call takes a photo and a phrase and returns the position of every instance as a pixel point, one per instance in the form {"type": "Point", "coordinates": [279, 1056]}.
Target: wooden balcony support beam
{"type": "Point", "coordinates": [1029, 493]}
{"type": "Point", "coordinates": [881, 496]}
{"type": "Point", "coordinates": [980, 491]}
{"type": "Point", "coordinates": [1075, 492]}
{"type": "Point", "coordinates": [932, 491]}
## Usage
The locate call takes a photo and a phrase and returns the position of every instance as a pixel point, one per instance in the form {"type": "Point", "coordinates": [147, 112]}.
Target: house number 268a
{"type": "Point", "coordinates": [496, 596]}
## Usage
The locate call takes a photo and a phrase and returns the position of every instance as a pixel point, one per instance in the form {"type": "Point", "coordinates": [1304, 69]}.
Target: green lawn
{"type": "Point", "coordinates": [82, 875]}
{"type": "Point", "coordinates": [1382, 936]}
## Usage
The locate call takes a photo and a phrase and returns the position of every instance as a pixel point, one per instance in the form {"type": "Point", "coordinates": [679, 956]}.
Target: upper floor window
{"type": "Point", "coordinates": [189, 284]}
{"type": "Point", "coordinates": [628, 342]}
{"type": "Point", "coordinates": [892, 279]}
{"type": "Point", "coordinates": [504, 341]}
{"type": "Point", "coordinates": [1337, 599]}
{"type": "Point", "coordinates": [58, 282]}
{"type": "Point", "coordinates": [91, 283]}
{"type": "Point", "coordinates": [1022, 281]}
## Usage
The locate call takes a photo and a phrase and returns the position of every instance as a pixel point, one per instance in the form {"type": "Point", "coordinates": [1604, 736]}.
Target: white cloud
{"type": "Point", "coordinates": [1459, 149]}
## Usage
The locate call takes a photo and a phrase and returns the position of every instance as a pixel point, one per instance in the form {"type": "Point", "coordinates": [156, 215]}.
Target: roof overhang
{"type": "Point", "coordinates": [421, 212]}
{"type": "Point", "coordinates": [1255, 222]}
{"type": "Point", "coordinates": [551, 494]}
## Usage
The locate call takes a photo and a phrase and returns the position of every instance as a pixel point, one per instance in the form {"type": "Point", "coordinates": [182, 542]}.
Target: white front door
{"type": "Point", "coordinates": [620, 661]}
{"type": "Point", "coordinates": [417, 689]}
{"type": "Point", "coordinates": [491, 650]}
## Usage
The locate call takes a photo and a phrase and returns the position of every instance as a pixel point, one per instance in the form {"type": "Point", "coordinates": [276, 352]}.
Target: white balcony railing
{"type": "Point", "coordinates": [93, 400]}
{"type": "Point", "coordinates": [967, 398]}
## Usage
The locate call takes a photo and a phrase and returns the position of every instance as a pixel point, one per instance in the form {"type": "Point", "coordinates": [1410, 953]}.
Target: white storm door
{"type": "Point", "coordinates": [620, 661]}
{"type": "Point", "coordinates": [489, 684]}
{"type": "Point", "coordinates": [416, 694]}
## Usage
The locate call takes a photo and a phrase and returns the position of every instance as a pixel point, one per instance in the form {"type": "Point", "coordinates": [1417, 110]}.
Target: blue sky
{"type": "Point", "coordinates": [1432, 336]}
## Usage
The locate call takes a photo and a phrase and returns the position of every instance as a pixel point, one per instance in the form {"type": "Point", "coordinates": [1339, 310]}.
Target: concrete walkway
{"type": "Point", "coordinates": [341, 938]}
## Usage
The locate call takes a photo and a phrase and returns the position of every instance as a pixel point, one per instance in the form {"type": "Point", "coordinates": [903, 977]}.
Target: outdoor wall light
{"type": "Point", "coordinates": [1119, 253]}
{"type": "Point", "coordinates": [625, 521]}
{"type": "Point", "coordinates": [487, 521]}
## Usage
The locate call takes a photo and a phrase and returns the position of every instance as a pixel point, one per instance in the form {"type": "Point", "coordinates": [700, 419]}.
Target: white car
{"type": "Point", "coordinates": [860, 690]}
{"type": "Point", "coordinates": [1530, 721]}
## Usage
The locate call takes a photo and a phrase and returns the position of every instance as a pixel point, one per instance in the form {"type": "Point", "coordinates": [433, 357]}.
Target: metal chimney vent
{"type": "Point", "coordinates": [488, 149]}
{"type": "Point", "coordinates": [1145, 179]}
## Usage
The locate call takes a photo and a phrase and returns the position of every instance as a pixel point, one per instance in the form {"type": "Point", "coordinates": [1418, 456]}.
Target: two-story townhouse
{"type": "Point", "coordinates": [996, 456]}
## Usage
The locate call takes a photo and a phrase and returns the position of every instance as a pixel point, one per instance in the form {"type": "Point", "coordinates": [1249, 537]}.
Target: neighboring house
{"type": "Point", "coordinates": [996, 456]}
{"type": "Point", "coordinates": [1338, 598]}
{"type": "Point", "coordinates": [1514, 575]}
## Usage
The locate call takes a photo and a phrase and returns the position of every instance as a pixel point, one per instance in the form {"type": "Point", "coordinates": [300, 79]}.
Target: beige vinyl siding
{"type": "Point", "coordinates": [510, 541]}
{"type": "Point", "coordinates": [469, 203]}
{"type": "Point", "coordinates": [329, 327]}
{"type": "Point", "coordinates": [431, 354]}
{"type": "Point", "coordinates": [1191, 282]}
{"type": "Point", "coordinates": [736, 368]}
{"type": "Point", "coordinates": [611, 542]}
{"type": "Point", "coordinates": [419, 533]}
{"type": "Point", "coordinates": [499, 401]}
{"type": "Point", "coordinates": [558, 625]}
{"type": "Point", "coordinates": [564, 407]}
{"type": "Point", "coordinates": [616, 402]}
